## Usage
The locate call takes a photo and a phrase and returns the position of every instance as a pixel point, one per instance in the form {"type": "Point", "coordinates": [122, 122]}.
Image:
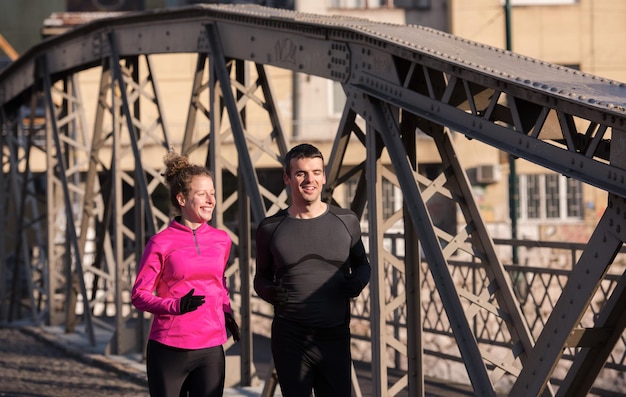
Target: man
{"type": "Point", "coordinates": [310, 262]}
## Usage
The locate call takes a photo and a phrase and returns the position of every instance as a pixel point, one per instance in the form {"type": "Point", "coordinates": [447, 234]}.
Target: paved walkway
{"type": "Point", "coordinates": [128, 367]}
{"type": "Point", "coordinates": [30, 366]}
{"type": "Point", "coordinates": [131, 377]}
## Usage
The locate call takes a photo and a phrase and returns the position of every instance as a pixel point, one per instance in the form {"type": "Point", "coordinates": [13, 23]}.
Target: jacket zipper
{"type": "Point", "coordinates": [195, 241]}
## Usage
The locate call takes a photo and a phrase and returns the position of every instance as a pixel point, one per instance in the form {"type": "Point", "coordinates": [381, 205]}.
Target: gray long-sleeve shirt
{"type": "Point", "coordinates": [312, 259]}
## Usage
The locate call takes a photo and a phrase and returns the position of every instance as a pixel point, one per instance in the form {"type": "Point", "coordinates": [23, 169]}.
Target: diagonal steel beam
{"type": "Point", "coordinates": [238, 130]}
{"type": "Point", "coordinates": [588, 272]}
{"type": "Point", "coordinates": [71, 236]}
{"type": "Point", "coordinates": [382, 119]}
{"type": "Point", "coordinates": [591, 359]}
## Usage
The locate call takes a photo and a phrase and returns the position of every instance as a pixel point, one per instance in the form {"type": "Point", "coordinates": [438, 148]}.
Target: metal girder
{"type": "Point", "coordinates": [5, 161]}
{"type": "Point", "coordinates": [231, 87]}
{"type": "Point", "coordinates": [560, 119]}
{"type": "Point", "coordinates": [336, 173]}
{"type": "Point", "coordinates": [415, 350]}
{"type": "Point", "coordinates": [370, 175]}
{"type": "Point", "coordinates": [589, 361]}
{"type": "Point", "coordinates": [129, 85]}
{"type": "Point", "coordinates": [126, 117]}
{"type": "Point", "coordinates": [496, 117]}
{"type": "Point", "coordinates": [377, 260]}
{"type": "Point", "coordinates": [22, 219]}
{"type": "Point", "coordinates": [190, 142]}
{"type": "Point", "coordinates": [99, 210]}
{"type": "Point", "coordinates": [384, 119]}
{"type": "Point", "coordinates": [61, 168]}
{"type": "Point", "coordinates": [238, 129]}
{"type": "Point", "coordinates": [30, 244]}
{"type": "Point", "coordinates": [604, 244]}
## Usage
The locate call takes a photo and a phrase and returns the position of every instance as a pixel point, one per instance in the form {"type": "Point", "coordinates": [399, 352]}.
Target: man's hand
{"type": "Point", "coordinates": [352, 286]}
{"type": "Point", "coordinates": [190, 302]}
{"type": "Point", "coordinates": [232, 326]}
{"type": "Point", "coordinates": [277, 295]}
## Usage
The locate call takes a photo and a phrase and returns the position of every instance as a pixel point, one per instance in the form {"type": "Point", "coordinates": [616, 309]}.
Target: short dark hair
{"type": "Point", "coordinates": [301, 151]}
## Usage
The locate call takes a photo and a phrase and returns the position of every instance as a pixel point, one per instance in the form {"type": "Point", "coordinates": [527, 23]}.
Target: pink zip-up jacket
{"type": "Point", "coordinates": [176, 260]}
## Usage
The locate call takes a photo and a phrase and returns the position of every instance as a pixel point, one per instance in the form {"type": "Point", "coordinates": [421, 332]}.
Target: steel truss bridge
{"type": "Point", "coordinates": [76, 235]}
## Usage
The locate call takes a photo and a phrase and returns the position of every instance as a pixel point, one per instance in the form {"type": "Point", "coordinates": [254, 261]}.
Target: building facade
{"type": "Point", "coordinates": [580, 34]}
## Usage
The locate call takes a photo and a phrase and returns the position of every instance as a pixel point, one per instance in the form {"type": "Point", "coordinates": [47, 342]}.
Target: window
{"type": "Point", "coordinates": [361, 3]}
{"type": "Point", "coordinates": [549, 196]}
{"type": "Point", "coordinates": [348, 197]}
{"type": "Point", "coordinates": [392, 197]}
{"type": "Point", "coordinates": [539, 2]}
{"type": "Point", "coordinates": [337, 100]}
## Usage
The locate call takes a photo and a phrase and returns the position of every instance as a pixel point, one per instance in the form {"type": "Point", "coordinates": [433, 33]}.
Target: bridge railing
{"type": "Point", "coordinates": [536, 285]}
{"type": "Point", "coordinates": [537, 282]}
{"type": "Point", "coordinates": [537, 288]}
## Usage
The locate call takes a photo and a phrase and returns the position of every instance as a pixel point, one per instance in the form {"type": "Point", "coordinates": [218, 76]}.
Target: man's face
{"type": "Point", "coordinates": [306, 179]}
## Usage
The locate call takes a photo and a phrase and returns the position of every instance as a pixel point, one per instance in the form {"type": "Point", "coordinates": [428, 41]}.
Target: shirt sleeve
{"type": "Point", "coordinates": [143, 297]}
{"type": "Point", "coordinates": [264, 275]}
{"type": "Point", "coordinates": [361, 268]}
{"type": "Point", "coordinates": [360, 265]}
{"type": "Point", "coordinates": [226, 301]}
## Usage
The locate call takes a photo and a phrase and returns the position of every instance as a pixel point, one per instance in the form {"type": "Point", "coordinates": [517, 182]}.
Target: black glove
{"type": "Point", "coordinates": [190, 302]}
{"type": "Point", "coordinates": [276, 295]}
{"type": "Point", "coordinates": [352, 286]}
{"type": "Point", "coordinates": [232, 326]}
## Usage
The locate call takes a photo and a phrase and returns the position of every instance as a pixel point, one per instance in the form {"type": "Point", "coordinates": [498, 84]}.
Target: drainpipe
{"type": "Point", "coordinates": [513, 192]}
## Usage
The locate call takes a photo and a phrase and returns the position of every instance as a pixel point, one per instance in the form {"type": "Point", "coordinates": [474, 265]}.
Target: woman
{"type": "Point", "coordinates": [181, 281]}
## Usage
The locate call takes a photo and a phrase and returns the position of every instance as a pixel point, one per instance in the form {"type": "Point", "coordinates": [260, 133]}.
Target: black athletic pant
{"type": "Point", "coordinates": [174, 372]}
{"type": "Point", "coordinates": [312, 359]}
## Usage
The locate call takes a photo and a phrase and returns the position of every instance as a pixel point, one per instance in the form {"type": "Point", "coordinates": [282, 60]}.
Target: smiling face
{"type": "Point", "coordinates": [306, 179]}
{"type": "Point", "coordinates": [197, 207]}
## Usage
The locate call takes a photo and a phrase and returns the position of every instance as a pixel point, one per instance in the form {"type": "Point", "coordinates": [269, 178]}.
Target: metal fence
{"type": "Point", "coordinates": [537, 289]}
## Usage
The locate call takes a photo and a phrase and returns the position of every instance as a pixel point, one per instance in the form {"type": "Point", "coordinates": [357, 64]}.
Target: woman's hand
{"type": "Point", "coordinates": [232, 326]}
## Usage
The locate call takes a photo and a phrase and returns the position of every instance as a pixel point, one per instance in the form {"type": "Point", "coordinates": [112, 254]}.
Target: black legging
{"type": "Point", "coordinates": [311, 359]}
{"type": "Point", "coordinates": [174, 372]}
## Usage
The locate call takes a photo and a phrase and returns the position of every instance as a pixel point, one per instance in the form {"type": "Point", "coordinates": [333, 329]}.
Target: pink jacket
{"type": "Point", "coordinates": [176, 260]}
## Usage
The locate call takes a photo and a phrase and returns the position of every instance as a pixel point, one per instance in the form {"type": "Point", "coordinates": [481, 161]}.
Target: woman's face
{"type": "Point", "coordinates": [197, 207]}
